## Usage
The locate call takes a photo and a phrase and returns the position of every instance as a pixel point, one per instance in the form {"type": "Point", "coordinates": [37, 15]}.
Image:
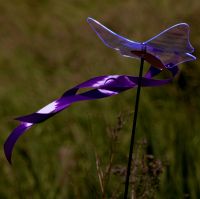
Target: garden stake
{"type": "Point", "coordinates": [128, 173]}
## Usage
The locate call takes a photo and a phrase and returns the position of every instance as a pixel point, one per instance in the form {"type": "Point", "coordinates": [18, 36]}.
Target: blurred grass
{"type": "Point", "coordinates": [47, 47]}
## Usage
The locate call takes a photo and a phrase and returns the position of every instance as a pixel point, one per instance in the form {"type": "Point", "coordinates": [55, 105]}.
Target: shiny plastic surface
{"type": "Point", "coordinates": [167, 49]}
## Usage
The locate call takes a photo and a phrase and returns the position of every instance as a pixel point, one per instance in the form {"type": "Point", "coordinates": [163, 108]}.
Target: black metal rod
{"type": "Point", "coordinates": [133, 129]}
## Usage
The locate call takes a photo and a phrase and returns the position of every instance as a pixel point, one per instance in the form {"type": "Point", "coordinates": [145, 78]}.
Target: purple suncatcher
{"type": "Point", "coordinates": [164, 52]}
{"type": "Point", "coordinates": [167, 49]}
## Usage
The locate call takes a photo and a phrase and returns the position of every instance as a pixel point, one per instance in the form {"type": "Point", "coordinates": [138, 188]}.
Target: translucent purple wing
{"type": "Point", "coordinates": [167, 49]}
{"type": "Point", "coordinates": [172, 46]}
{"type": "Point", "coordinates": [113, 40]}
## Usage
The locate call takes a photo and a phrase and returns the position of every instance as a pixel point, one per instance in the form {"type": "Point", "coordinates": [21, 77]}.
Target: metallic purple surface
{"type": "Point", "coordinates": [164, 51]}
{"type": "Point", "coordinates": [101, 87]}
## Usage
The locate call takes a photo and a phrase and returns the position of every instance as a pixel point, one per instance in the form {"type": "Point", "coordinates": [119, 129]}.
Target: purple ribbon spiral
{"type": "Point", "coordinates": [101, 87]}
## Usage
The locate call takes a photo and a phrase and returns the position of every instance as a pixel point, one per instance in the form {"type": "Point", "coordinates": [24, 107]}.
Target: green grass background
{"type": "Point", "coordinates": [47, 47]}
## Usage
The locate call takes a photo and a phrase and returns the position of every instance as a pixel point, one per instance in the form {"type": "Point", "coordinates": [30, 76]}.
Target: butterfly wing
{"type": "Point", "coordinates": [113, 40]}
{"type": "Point", "coordinates": [172, 46]}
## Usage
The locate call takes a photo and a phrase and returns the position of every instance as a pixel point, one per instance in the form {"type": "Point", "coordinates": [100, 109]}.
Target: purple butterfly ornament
{"type": "Point", "coordinates": [164, 51]}
{"type": "Point", "coordinates": [167, 49]}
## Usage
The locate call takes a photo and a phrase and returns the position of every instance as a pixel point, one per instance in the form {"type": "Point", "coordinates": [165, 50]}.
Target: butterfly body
{"type": "Point", "coordinates": [153, 60]}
